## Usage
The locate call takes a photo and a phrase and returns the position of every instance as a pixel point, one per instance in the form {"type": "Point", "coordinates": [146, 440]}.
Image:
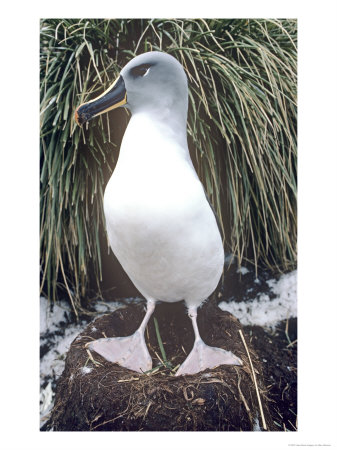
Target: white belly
{"type": "Point", "coordinates": [167, 240]}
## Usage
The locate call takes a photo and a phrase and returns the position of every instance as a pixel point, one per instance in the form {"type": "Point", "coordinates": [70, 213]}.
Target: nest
{"type": "Point", "coordinates": [96, 395]}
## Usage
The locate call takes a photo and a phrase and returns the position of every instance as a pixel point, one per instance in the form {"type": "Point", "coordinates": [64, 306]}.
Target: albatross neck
{"type": "Point", "coordinates": [157, 125]}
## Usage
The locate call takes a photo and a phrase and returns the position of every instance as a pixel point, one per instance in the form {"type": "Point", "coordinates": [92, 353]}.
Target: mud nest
{"type": "Point", "coordinates": [96, 395]}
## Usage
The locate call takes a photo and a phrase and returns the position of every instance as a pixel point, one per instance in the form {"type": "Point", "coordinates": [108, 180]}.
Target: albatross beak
{"type": "Point", "coordinates": [112, 98]}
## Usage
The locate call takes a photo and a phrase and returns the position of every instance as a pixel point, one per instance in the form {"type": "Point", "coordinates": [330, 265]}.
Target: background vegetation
{"type": "Point", "coordinates": [241, 131]}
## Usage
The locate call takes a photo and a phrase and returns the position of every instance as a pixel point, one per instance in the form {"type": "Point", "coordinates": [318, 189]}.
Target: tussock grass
{"type": "Point", "coordinates": [241, 128]}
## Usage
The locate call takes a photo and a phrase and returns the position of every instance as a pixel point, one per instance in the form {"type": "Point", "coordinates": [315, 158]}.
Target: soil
{"type": "Point", "coordinates": [277, 353]}
{"type": "Point", "coordinates": [105, 396]}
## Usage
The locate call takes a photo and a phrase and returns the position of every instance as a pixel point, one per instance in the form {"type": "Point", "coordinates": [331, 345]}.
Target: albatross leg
{"type": "Point", "coordinates": [130, 351]}
{"type": "Point", "coordinates": [203, 356]}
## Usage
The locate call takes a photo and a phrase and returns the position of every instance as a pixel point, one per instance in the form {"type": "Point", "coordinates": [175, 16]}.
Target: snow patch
{"type": "Point", "coordinates": [46, 397]}
{"type": "Point", "coordinates": [264, 311]}
{"type": "Point", "coordinates": [58, 333]}
{"type": "Point", "coordinates": [103, 307]}
{"type": "Point", "coordinates": [242, 270]}
{"type": "Point", "coordinates": [52, 363]}
{"type": "Point", "coordinates": [256, 426]}
{"type": "Point", "coordinates": [50, 321]}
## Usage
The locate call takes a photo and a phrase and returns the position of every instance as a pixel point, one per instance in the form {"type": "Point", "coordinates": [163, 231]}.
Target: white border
{"type": "Point", "coordinates": [20, 228]}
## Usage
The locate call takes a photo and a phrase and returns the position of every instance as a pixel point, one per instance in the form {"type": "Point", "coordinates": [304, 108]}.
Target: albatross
{"type": "Point", "coordinates": [159, 222]}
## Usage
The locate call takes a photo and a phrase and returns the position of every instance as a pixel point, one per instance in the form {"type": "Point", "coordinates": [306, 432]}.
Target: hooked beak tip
{"type": "Point", "coordinates": [77, 118]}
{"type": "Point", "coordinates": [82, 115]}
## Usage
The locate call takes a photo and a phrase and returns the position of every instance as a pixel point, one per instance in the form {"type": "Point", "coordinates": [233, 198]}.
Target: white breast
{"type": "Point", "coordinates": [159, 223]}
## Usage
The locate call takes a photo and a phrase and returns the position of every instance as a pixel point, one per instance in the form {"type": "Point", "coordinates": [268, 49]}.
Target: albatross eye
{"type": "Point", "coordinates": [141, 70]}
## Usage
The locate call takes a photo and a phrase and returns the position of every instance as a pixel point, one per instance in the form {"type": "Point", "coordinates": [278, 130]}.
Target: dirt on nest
{"type": "Point", "coordinates": [97, 395]}
{"type": "Point", "coordinates": [277, 353]}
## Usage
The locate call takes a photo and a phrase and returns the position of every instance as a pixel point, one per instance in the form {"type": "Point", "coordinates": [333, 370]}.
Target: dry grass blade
{"type": "Point", "coordinates": [254, 379]}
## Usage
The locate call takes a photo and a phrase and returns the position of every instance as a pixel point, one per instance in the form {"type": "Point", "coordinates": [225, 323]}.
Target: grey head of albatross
{"type": "Point", "coordinates": [159, 222]}
{"type": "Point", "coordinates": [154, 82]}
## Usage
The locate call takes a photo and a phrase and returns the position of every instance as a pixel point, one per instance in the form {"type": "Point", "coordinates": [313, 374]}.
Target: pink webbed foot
{"type": "Point", "coordinates": [129, 352]}
{"type": "Point", "coordinates": [204, 357]}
